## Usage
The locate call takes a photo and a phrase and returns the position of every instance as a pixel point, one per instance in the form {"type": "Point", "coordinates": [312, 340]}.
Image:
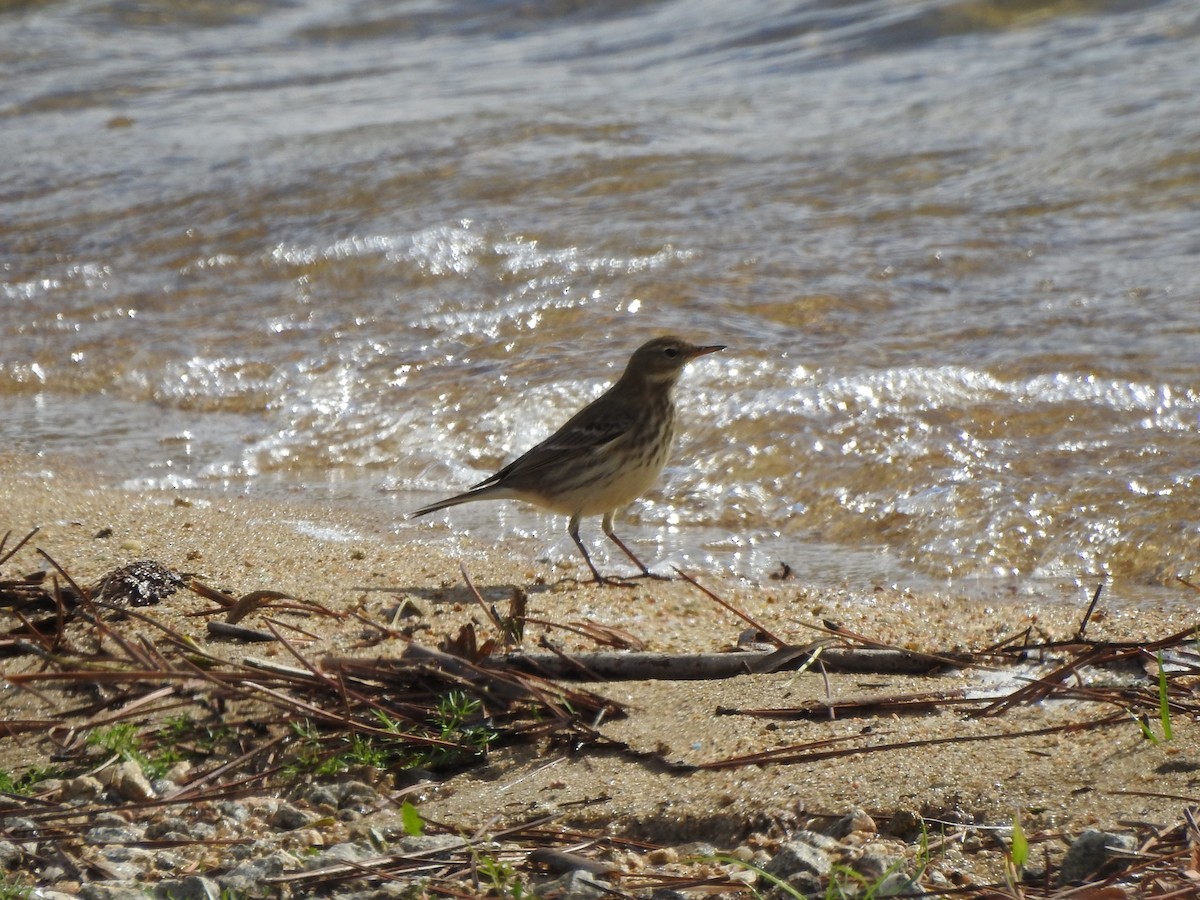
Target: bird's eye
{"type": "Point", "coordinates": [670, 352]}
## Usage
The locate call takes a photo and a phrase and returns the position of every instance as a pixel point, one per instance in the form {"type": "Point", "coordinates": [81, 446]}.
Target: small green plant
{"type": "Point", "coordinates": [14, 890]}
{"type": "Point", "coordinates": [499, 877]}
{"type": "Point", "coordinates": [120, 739]}
{"type": "Point", "coordinates": [1164, 710]}
{"type": "Point", "coordinates": [1164, 701]}
{"type": "Point", "coordinates": [924, 857]}
{"type": "Point", "coordinates": [1016, 855]}
{"type": "Point", "coordinates": [125, 741]}
{"type": "Point", "coordinates": [844, 882]}
{"type": "Point", "coordinates": [410, 818]}
{"type": "Point", "coordinates": [25, 783]}
{"type": "Point", "coordinates": [1020, 844]}
{"type": "Point", "coordinates": [774, 880]}
{"type": "Point", "coordinates": [457, 718]}
{"type": "Point", "coordinates": [311, 756]}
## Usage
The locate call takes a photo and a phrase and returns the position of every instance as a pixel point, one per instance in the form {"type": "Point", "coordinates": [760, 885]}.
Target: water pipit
{"type": "Point", "coordinates": [606, 455]}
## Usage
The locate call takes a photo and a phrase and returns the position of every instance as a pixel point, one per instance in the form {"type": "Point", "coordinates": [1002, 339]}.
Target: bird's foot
{"type": "Point", "coordinates": [646, 573]}
{"type": "Point", "coordinates": [609, 581]}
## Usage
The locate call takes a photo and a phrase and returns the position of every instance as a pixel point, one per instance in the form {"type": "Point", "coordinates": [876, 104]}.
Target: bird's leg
{"type": "Point", "coordinates": [607, 525]}
{"type": "Point", "coordinates": [573, 530]}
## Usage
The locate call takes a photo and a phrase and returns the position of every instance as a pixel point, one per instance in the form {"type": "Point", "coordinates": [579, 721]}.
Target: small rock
{"type": "Point", "coordinates": [807, 852]}
{"type": "Point", "coordinates": [111, 890]}
{"type": "Point", "coordinates": [356, 796]}
{"type": "Point", "coordinates": [872, 865]}
{"type": "Point", "coordinates": [577, 885]}
{"type": "Point", "coordinates": [10, 855]}
{"type": "Point", "coordinates": [856, 821]}
{"type": "Point", "coordinates": [160, 828]}
{"type": "Point", "coordinates": [897, 884]}
{"type": "Point", "coordinates": [194, 887]}
{"type": "Point", "coordinates": [127, 864]}
{"type": "Point", "coordinates": [798, 884]}
{"type": "Point", "coordinates": [438, 846]}
{"type": "Point", "coordinates": [104, 834]}
{"type": "Point", "coordinates": [906, 824]}
{"type": "Point", "coordinates": [318, 796]}
{"type": "Point", "coordinates": [122, 854]}
{"type": "Point", "coordinates": [83, 789]}
{"type": "Point", "coordinates": [168, 861]}
{"type": "Point", "coordinates": [179, 772]}
{"type": "Point", "coordinates": [231, 809]}
{"type": "Point", "coordinates": [248, 877]}
{"type": "Point", "coordinates": [663, 856]}
{"type": "Point", "coordinates": [18, 828]}
{"type": "Point", "coordinates": [129, 783]}
{"type": "Point", "coordinates": [109, 820]}
{"type": "Point", "coordinates": [341, 853]}
{"type": "Point", "coordinates": [163, 787]}
{"type": "Point", "coordinates": [1090, 852]}
{"type": "Point", "coordinates": [289, 818]}
{"type": "Point", "coordinates": [202, 831]}
{"type": "Point", "coordinates": [696, 848]}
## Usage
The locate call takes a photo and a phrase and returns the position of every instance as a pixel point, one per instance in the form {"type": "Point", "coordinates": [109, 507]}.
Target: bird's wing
{"type": "Point", "coordinates": [581, 435]}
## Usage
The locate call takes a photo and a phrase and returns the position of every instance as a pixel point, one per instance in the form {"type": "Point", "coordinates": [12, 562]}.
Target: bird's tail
{"type": "Point", "coordinates": [443, 504]}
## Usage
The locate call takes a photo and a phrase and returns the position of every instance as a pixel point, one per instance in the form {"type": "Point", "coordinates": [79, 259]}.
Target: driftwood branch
{"type": "Point", "coordinates": [647, 666]}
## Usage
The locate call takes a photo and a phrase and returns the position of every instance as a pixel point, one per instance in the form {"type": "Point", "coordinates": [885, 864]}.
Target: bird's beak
{"type": "Point", "coordinates": [701, 351]}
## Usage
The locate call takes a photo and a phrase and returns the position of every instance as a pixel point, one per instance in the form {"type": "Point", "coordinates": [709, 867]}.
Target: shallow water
{"type": "Point", "coordinates": [364, 253]}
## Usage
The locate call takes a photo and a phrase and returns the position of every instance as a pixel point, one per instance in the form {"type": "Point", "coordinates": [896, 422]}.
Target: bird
{"type": "Point", "coordinates": [605, 456]}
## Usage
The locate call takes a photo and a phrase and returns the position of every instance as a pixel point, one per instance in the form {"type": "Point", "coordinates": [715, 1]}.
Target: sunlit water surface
{"type": "Point", "coordinates": [365, 253]}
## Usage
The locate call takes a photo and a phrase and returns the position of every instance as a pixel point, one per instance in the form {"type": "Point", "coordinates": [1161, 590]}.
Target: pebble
{"type": "Point", "coordinates": [18, 827]}
{"type": "Point", "coordinates": [194, 887]}
{"type": "Point", "coordinates": [169, 828]}
{"type": "Point", "coordinates": [163, 787]}
{"type": "Point", "coordinates": [83, 789]}
{"type": "Point", "coordinates": [356, 796]}
{"type": "Point", "coordinates": [231, 809]}
{"type": "Point", "coordinates": [663, 856]}
{"type": "Point", "coordinates": [111, 890]}
{"type": "Point", "coordinates": [130, 783]}
{"type": "Point", "coordinates": [318, 796]}
{"type": "Point", "coordinates": [168, 861]}
{"type": "Point", "coordinates": [577, 885]}
{"type": "Point", "coordinates": [10, 855]}
{"type": "Point", "coordinates": [107, 834]}
{"type": "Point", "coordinates": [248, 877]}
{"type": "Point", "coordinates": [897, 884]}
{"type": "Point", "coordinates": [873, 865]}
{"type": "Point", "coordinates": [855, 822]}
{"type": "Point", "coordinates": [124, 872]}
{"type": "Point", "coordinates": [1089, 853]}
{"type": "Point", "coordinates": [439, 846]}
{"type": "Point", "coordinates": [806, 851]}
{"type": "Point", "coordinates": [697, 848]}
{"type": "Point", "coordinates": [289, 818]}
{"type": "Point", "coordinates": [352, 852]}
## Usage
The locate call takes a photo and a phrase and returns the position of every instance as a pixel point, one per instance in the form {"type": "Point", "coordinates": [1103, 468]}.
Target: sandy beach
{"type": "Point", "coordinates": [1057, 784]}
